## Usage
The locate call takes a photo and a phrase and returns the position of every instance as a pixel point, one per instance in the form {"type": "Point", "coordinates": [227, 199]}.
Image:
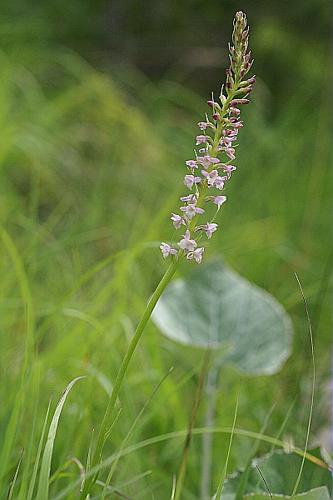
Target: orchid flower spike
{"type": "Point", "coordinates": [207, 175]}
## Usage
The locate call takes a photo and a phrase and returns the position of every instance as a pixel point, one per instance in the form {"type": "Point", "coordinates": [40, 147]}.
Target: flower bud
{"type": "Point", "coordinates": [235, 102]}
{"type": "Point", "coordinates": [234, 111]}
{"type": "Point", "coordinates": [212, 104]}
{"type": "Point", "coordinates": [249, 82]}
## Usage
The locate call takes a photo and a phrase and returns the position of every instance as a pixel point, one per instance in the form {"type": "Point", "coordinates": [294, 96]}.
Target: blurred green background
{"type": "Point", "coordinates": [98, 108]}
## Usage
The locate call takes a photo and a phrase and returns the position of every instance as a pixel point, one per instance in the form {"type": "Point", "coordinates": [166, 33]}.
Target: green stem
{"type": "Point", "coordinates": [109, 414]}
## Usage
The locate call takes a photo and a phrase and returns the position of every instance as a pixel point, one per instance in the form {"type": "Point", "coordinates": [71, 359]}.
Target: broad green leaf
{"type": "Point", "coordinates": [43, 485]}
{"type": "Point", "coordinates": [315, 494]}
{"type": "Point", "coordinates": [216, 308]}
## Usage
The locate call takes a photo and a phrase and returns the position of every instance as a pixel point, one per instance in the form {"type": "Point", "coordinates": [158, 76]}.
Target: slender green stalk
{"type": "Point", "coordinates": [108, 416]}
{"type": "Point", "coordinates": [314, 374]}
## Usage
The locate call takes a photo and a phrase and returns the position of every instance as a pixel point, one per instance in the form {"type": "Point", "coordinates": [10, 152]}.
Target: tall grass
{"type": "Point", "coordinates": [90, 165]}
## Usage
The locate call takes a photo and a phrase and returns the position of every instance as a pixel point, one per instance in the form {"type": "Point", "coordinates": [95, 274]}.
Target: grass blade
{"type": "Point", "coordinates": [312, 387]}
{"type": "Point", "coordinates": [39, 452]}
{"type": "Point", "coordinates": [12, 485]}
{"type": "Point", "coordinates": [43, 485]}
{"type": "Point", "coordinates": [9, 439]}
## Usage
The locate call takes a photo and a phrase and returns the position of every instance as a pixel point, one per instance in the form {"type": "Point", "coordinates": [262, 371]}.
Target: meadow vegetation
{"type": "Point", "coordinates": [91, 163]}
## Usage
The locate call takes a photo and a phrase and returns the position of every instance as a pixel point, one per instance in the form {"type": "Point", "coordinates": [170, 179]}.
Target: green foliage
{"type": "Point", "coordinates": [315, 494]}
{"type": "Point", "coordinates": [90, 168]}
{"type": "Point", "coordinates": [278, 473]}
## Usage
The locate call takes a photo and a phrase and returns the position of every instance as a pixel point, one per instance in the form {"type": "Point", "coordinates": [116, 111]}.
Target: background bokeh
{"type": "Point", "coordinates": [98, 109]}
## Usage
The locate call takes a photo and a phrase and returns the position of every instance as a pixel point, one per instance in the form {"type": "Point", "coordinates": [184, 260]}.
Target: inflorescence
{"type": "Point", "coordinates": [216, 147]}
